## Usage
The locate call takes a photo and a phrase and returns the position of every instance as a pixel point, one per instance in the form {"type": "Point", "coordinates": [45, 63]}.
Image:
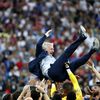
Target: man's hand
{"type": "Point", "coordinates": [43, 83]}
{"type": "Point", "coordinates": [24, 92]}
{"type": "Point", "coordinates": [48, 33]}
{"type": "Point", "coordinates": [42, 86]}
{"type": "Point", "coordinates": [26, 87]}
{"type": "Point", "coordinates": [90, 64]}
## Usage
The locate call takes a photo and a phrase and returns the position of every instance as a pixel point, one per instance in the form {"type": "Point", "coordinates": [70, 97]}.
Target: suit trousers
{"type": "Point", "coordinates": [57, 71]}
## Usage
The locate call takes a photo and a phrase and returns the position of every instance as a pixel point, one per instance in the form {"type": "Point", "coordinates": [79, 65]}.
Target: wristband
{"type": "Point", "coordinates": [67, 65]}
{"type": "Point", "coordinates": [68, 70]}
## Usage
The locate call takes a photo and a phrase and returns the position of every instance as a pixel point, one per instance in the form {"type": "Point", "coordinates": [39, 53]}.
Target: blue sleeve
{"type": "Point", "coordinates": [39, 46]}
{"type": "Point", "coordinates": [32, 64]}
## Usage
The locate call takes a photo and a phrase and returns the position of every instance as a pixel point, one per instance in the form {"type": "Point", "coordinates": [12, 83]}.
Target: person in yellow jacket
{"type": "Point", "coordinates": [76, 93]}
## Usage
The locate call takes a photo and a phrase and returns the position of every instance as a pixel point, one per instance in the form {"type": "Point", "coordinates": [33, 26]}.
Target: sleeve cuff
{"type": "Point", "coordinates": [68, 70]}
{"type": "Point", "coordinates": [47, 35]}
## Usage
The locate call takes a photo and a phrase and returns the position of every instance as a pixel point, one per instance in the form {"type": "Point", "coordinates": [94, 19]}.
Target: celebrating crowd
{"type": "Point", "coordinates": [23, 23]}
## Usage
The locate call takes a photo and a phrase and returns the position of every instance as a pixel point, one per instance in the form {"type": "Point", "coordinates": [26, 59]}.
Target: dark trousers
{"type": "Point", "coordinates": [57, 72]}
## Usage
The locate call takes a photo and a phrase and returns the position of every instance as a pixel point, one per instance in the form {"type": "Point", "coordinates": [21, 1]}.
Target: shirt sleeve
{"type": "Point", "coordinates": [39, 45]}
{"type": "Point", "coordinates": [53, 89]}
{"type": "Point", "coordinates": [76, 86]}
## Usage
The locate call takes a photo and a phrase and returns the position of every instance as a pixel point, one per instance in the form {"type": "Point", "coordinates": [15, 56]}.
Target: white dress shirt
{"type": "Point", "coordinates": [45, 64]}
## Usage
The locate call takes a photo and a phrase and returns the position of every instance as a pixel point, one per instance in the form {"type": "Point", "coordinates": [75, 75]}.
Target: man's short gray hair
{"type": "Point", "coordinates": [45, 45]}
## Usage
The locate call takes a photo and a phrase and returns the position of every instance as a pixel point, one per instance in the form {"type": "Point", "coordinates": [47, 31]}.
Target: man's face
{"type": "Point", "coordinates": [50, 48]}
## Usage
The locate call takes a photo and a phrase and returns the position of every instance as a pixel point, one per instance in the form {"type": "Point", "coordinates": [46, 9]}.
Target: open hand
{"type": "Point", "coordinates": [90, 64]}
{"type": "Point", "coordinates": [48, 32]}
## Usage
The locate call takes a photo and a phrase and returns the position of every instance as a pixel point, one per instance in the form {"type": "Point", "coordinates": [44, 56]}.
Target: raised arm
{"type": "Point", "coordinates": [75, 83]}
{"type": "Point", "coordinates": [42, 89]}
{"type": "Point", "coordinates": [90, 65]}
{"type": "Point", "coordinates": [24, 92]}
{"type": "Point", "coordinates": [40, 42]}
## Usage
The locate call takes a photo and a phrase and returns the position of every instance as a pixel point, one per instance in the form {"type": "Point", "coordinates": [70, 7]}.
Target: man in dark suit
{"type": "Point", "coordinates": [46, 65]}
{"type": "Point", "coordinates": [34, 65]}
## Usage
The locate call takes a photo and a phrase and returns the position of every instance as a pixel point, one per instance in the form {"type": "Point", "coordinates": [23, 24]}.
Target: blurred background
{"type": "Point", "coordinates": [23, 22]}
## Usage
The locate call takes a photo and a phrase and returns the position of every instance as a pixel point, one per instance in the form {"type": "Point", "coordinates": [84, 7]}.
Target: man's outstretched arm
{"type": "Point", "coordinates": [75, 83]}
{"type": "Point", "coordinates": [40, 42]}
{"type": "Point", "coordinates": [90, 64]}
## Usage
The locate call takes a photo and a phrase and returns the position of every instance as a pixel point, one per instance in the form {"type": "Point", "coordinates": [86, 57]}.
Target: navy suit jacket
{"type": "Point", "coordinates": [34, 65]}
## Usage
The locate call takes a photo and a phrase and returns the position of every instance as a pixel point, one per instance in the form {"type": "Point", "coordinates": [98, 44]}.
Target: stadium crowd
{"type": "Point", "coordinates": [22, 23]}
